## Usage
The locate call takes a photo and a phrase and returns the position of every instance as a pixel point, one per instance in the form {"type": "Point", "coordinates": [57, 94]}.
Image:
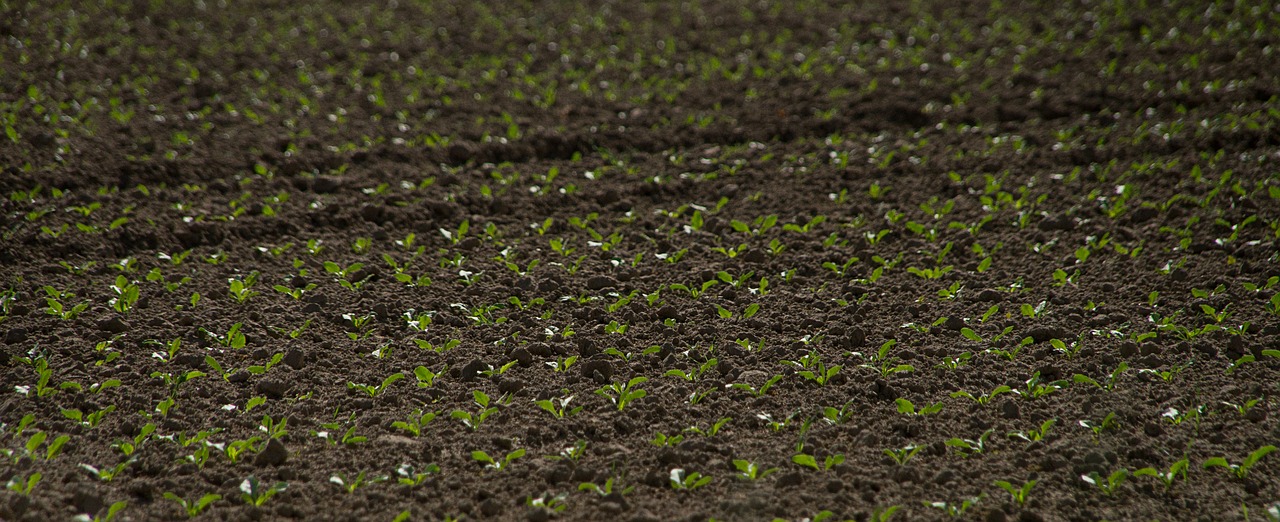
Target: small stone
{"type": "Point", "coordinates": [1010, 410]}
{"type": "Point", "coordinates": [537, 515]}
{"type": "Point", "coordinates": [953, 323]}
{"type": "Point", "coordinates": [472, 370]}
{"type": "Point", "coordinates": [600, 282]}
{"type": "Point", "coordinates": [669, 312]}
{"type": "Point", "coordinates": [15, 336]}
{"type": "Point", "coordinates": [114, 325]}
{"type": "Point", "coordinates": [600, 371]}
{"type": "Point", "coordinates": [521, 356]}
{"type": "Point", "coordinates": [273, 388]}
{"type": "Point", "coordinates": [294, 358]}
{"type": "Point", "coordinates": [325, 184]}
{"type": "Point", "coordinates": [786, 480]}
{"type": "Point", "coordinates": [274, 454]}
{"type": "Point", "coordinates": [1042, 334]}
{"type": "Point", "coordinates": [490, 507]}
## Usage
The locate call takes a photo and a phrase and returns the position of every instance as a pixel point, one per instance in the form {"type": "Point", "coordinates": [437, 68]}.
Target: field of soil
{"type": "Point", "coordinates": [639, 261]}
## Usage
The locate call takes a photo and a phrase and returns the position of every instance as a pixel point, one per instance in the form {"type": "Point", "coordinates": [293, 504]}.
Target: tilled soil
{"type": "Point", "coordinates": [788, 218]}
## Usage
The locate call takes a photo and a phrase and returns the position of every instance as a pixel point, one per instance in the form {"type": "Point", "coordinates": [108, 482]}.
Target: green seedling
{"type": "Point", "coordinates": [441, 348]}
{"type": "Point", "coordinates": [415, 423]}
{"type": "Point", "coordinates": [606, 489]}
{"type": "Point", "coordinates": [373, 390]}
{"type": "Point", "coordinates": [295, 293]}
{"type": "Point", "coordinates": [693, 376]}
{"type": "Point", "coordinates": [89, 420]}
{"type": "Point", "coordinates": [662, 440]}
{"type": "Point", "coordinates": [930, 273]}
{"type": "Point", "coordinates": [1238, 363]}
{"type": "Point", "coordinates": [969, 447]}
{"type": "Point", "coordinates": [233, 338]}
{"type": "Point", "coordinates": [350, 485]}
{"type": "Point", "coordinates": [711, 431]}
{"type": "Point", "coordinates": [809, 461]}
{"type": "Point", "coordinates": [361, 324]}
{"type": "Point", "coordinates": [1021, 493]}
{"type": "Point", "coordinates": [1110, 422]}
{"type": "Point", "coordinates": [1108, 485]}
{"type": "Point", "coordinates": [694, 291]}
{"type": "Point", "coordinates": [562, 364]}
{"type": "Point", "coordinates": [193, 507]}
{"type": "Point", "coordinates": [757, 227]}
{"type": "Point", "coordinates": [408, 476]}
{"type": "Point", "coordinates": [807, 227]}
{"type": "Point", "coordinates": [983, 399]}
{"type": "Point", "coordinates": [126, 295]}
{"type": "Point", "coordinates": [24, 485]}
{"type": "Point", "coordinates": [836, 416]}
{"type": "Point", "coordinates": [571, 454]}
{"type": "Point", "coordinates": [331, 429]}
{"type": "Point", "coordinates": [688, 481]}
{"type": "Point", "coordinates": [255, 493]}
{"type": "Point", "coordinates": [242, 289]}
{"type": "Point", "coordinates": [955, 362]}
{"type": "Point", "coordinates": [953, 509]}
{"type": "Point", "coordinates": [548, 502]}
{"type": "Point", "coordinates": [1176, 470]}
{"type": "Point", "coordinates": [841, 270]}
{"type": "Point", "coordinates": [1035, 434]}
{"type": "Point", "coordinates": [621, 394]}
{"type": "Point", "coordinates": [558, 407]}
{"type": "Point", "coordinates": [820, 373]}
{"type": "Point", "coordinates": [175, 380]}
{"type": "Point", "coordinates": [497, 465]}
{"type": "Point", "coordinates": [107, 516]}
{"type": "Point", "coordinates": [1035, 388]}
{"type": "Point", "coordinates": [753, 391]}
{"type": "Point", "coordinates": [1243, 408]}
{"type": "Point", "coordinates": [56, 309]}
{"type": "Point", "coordinates": [908, 408]}
{"type": "Point", "coordinates": [107, 474]}
{"type": "Point", "coordinates": [474, 421]}
{"type": "Point", "coordinates": [749, 471]}
{"type": "Point", "coordinates": [1240, 470]}
{"type": "Point", "coordinates": [902, 456]}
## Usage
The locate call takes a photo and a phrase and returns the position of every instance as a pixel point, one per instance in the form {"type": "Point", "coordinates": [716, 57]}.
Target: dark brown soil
{"type": "Point", "coordinates": [1098, 179]}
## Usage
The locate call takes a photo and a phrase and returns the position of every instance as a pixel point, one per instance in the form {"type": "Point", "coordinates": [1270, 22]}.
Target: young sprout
{"type": "Point", "coordinates": [621, 394]}
{"type": "Point", "coordinates": [1020, 494]}
{"type": "Point", "coordinates": [1110, 483]}
{"type": "Point", "coordinates": [1240, 470]}
{"type": "Point", "coordinates": [256, 493]}
{"type": "Point", "coordinates": [908, 408]}
{"type": "Point", "coordinates": [606, 489]}
{"type": "Point", "coordinates": [499, 464]}
{"type": "Point", "coordinates": [558, 407]}
{"type": "Point", "coordinates": [350, 485]}
{"type": "Point", "coordinates": [969, 447]}
{"type": "Point", "coordinates": [902, 456]}
{"type": "Point", "coordinates": [193, 507]}
{"type": "Point", "coordinates": [471, 420]}
{"type": "Point", "coordinates": [749, 471]}
{"type": "Point", "coordinates": [1177, 469]}
{"type": "Point", "coordinates": [955, 510]}
{"type": "Point", "coordinates": [688, 481]}
{"type": "Point", "coordinates": [809, 461]}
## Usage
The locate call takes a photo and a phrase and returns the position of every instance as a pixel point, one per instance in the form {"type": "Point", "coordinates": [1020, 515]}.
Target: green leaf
{"type": "Point", "coordinates": [805, 460]}
{"type": "Point", "coordinates": [970, 335]}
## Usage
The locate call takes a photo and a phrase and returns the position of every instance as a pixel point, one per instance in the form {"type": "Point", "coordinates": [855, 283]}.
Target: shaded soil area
{"type": "Point", "coordinates": [647, 261]}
